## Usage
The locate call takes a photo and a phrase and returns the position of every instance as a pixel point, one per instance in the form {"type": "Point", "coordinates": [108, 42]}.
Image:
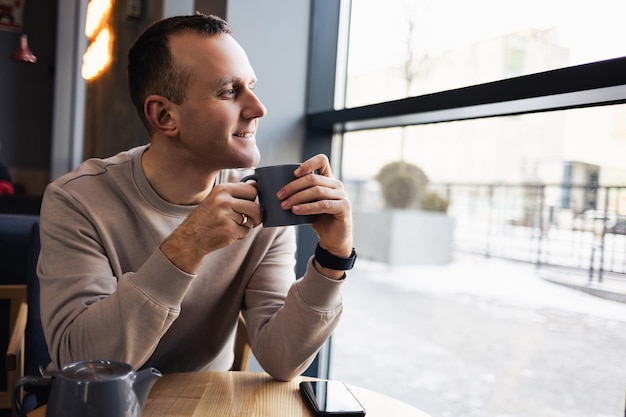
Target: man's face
{"type": "Point", "coordinates": [219, 117]}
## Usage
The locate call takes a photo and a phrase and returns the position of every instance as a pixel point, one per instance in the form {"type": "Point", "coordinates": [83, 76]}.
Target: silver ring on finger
{"type": "Point", "coordinates": [244, 220]}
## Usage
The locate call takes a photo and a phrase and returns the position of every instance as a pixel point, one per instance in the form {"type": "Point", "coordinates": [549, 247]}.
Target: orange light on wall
{"type": "Point", "coordinates": [97, 58]}
{"type": "Point", "coordinates": [98, 12]}
{"type": "Point", "coordinates": [99, 53]}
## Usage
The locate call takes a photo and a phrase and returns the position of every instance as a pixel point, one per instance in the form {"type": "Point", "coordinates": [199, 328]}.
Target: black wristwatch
{"type": "Point", "coordinates": [328, 260]}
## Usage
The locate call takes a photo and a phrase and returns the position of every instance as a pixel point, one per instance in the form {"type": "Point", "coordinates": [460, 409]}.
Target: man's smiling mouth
{"type": "Point", "coordinates": [244, 135]}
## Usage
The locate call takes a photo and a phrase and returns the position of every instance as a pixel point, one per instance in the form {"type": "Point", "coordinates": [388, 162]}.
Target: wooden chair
{"type": "Point", "coordinates": [14, 315]}
{"type": "Point", "coordinates": [21, 334]}
{"type": "Point", "coordinates": [242, 346]}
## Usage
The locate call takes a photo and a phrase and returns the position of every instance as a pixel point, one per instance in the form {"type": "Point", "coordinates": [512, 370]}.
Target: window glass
{"type": "Point", "coordinates": [401, 48]}
{"type": "Point", "coordinates": [480, 333]}
{"type": "Point", "coordinates": [526, 148]}
{"type": "Point", "coordinates": [484, 334]}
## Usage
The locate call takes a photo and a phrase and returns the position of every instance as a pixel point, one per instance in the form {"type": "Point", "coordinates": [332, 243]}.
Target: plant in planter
{"type": "Point", "coordinates": [413, 228]}
{"type": "Point", "coordinates": [404, 186]}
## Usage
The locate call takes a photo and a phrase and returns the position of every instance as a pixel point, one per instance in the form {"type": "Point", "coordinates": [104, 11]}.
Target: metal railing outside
{"type": "Point", "coordinates": [580, 227]}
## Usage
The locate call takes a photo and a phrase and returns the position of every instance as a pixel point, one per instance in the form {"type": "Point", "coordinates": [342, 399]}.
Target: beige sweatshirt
{"type": "Point", "coordinates": [108, 292]}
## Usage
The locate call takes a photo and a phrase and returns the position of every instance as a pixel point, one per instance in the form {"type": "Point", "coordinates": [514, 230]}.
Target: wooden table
{"type": "Point", "coordinates": [246, 394]}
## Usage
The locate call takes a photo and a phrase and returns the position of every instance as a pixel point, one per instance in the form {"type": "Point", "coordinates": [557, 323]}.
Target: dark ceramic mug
{"type": "Point", "coordinates": [269, 180]}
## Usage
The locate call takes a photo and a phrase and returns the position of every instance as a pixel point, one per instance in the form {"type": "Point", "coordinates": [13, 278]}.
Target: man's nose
{"type": "Point", "coordinates": [254, 108]}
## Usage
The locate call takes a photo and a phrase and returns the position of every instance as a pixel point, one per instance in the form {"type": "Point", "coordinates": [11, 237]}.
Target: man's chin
{"type": "Point", "coordinates": [250, 160]}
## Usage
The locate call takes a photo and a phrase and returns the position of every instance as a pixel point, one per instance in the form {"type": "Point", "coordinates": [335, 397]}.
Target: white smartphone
{"type": "Point", "coordinates": [331, 399]}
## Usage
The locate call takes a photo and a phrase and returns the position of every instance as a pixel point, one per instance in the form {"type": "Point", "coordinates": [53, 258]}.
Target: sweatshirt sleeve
{"type": "Point", "coordinates": [89, 312]}
{"type": "Point", "coordinates": [287, 328]}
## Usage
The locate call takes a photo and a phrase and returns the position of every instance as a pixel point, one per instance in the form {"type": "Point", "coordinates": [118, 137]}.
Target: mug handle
{"type": "Point", "coordinates": [250, 177]}
{"type": "Point", "coordinates": [30, 381]}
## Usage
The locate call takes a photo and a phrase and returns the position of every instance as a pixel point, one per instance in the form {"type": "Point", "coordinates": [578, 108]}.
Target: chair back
{"type": "Point", "coordinates": [242, 346]}
{"type": "Point", "coordinates": [19, 252]}
{"type": "Point", "coordinates": [13, 312]}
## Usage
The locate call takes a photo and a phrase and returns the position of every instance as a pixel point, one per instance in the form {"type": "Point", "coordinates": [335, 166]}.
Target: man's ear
{"type": "Point", "coordinates": [157, 111]}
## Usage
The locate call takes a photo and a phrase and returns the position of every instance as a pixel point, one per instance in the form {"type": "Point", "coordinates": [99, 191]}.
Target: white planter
{"type": "Point", "coordinates": [404, 237]}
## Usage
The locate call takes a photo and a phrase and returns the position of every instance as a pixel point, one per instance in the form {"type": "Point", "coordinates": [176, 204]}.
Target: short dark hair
{"type": "Point", "coordinates": [151, 69]}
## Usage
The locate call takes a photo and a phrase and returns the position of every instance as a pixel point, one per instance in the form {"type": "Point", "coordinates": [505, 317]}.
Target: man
{"type": "Point", "coordinates": [149, 256]}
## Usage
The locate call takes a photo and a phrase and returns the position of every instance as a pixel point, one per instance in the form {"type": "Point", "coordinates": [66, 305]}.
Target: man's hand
{"type": "Point", "coordinates": [322, 194]}
{"type": "Point", "coordinates": [225, 216]}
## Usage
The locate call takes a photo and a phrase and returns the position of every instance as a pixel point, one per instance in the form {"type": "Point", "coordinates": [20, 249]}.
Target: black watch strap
{"type": "Point", "coordinates": [328, 260]}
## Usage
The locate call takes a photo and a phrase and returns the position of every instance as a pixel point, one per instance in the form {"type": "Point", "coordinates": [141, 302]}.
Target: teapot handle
{"type": "Point", "coordinates": [29, 381]}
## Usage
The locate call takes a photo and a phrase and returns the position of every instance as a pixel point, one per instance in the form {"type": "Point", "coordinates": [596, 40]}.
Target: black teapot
{"type": "Point", "coordinates": [96, 388]}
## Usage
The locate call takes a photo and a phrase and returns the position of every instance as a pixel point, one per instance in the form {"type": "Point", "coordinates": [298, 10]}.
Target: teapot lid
{"type": "Point", "coordinates": [96, 370]}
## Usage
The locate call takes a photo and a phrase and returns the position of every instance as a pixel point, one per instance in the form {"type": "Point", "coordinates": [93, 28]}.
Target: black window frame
{"type": "Point", "coordinates": [595, 84]}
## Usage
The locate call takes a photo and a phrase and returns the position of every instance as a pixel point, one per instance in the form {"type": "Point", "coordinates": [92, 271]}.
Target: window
{"type": "Point", "coordinates": [493, 95]}
{"type": "Point", "coordinates": [407, 48]}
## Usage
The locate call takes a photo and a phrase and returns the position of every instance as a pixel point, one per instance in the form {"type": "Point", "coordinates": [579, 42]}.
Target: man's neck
{"type": "Point", "coordinates": [175, 182]}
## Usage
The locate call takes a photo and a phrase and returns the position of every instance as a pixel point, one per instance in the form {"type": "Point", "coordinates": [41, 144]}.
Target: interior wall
{"type": "Point", "coordinates": [216, 7]}
{"type": "Point", "coordinates": [111, 122]}
{"type": "Point", "coordinates": [27, 92]}
{"type": "Point", "coordinates": [275, 35]}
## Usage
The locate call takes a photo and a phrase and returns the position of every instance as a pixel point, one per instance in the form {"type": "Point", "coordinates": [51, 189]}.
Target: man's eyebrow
{"type": "Point", "coordinates": [232, 80]}
{"type": "Point", "coordinates": [228, 80]}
